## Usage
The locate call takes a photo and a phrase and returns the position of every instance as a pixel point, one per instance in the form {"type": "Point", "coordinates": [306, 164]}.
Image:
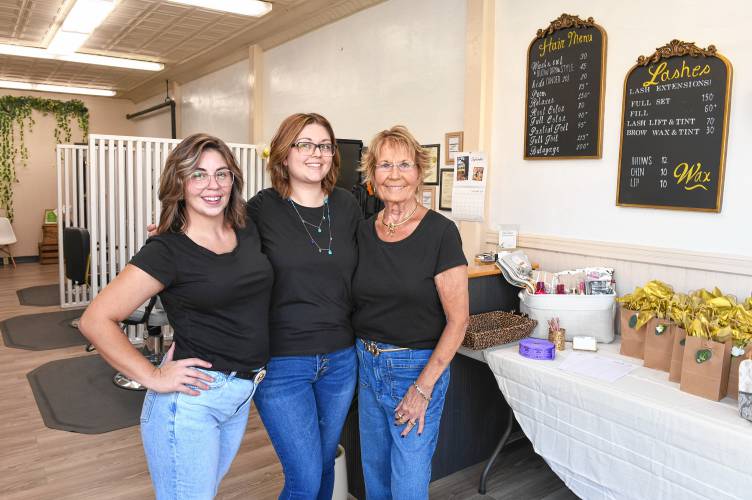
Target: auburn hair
{"type": "Point", "coordinates": [284, 138]}
{"type": "Point", "coordinates": [181, 163]}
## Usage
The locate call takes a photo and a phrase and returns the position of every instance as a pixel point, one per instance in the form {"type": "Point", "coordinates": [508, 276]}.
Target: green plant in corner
{"type": "Point", "coordinates": [16, 117]}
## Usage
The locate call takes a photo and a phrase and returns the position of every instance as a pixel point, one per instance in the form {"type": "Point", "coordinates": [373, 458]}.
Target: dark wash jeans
{"type": "Point", "coordinates": [303, 403]}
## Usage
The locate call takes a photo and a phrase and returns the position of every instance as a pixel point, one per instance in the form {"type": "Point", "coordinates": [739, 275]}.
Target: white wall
{"type": "Point", "coordinates": [156, 123]}
{"type": "Point", "coordinates": [576, 198]}
{"type": "Point", "coordinates": [219, 104]}
{"type": "Point", "coordinates": [400, 62]}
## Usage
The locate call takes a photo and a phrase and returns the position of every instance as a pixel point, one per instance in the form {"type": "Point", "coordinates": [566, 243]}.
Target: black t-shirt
{"type": "Point", "coordinates": [311, 301]}
{"type": "Point", "coordinates": [218, 304]}
{"type": "Point", "coordinates": [396, 300]}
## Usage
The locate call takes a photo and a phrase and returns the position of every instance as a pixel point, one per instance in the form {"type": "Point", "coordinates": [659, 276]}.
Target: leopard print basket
{"type": "Point", "coordinates": [496, 327]}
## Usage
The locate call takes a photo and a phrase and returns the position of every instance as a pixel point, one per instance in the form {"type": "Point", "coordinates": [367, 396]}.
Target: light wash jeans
{"type": "Point", "coordinates": [395, 467]}
{"type": "Point", "coordinates": [303, 403]}
{"type": "Point", "coordinates": [190, 441]}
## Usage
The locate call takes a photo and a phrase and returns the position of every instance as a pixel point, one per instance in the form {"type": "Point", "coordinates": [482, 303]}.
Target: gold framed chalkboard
{"type": "Point", "coordinates": [564, 90]}
{"type": "Point", "coordinates": [674, 129]}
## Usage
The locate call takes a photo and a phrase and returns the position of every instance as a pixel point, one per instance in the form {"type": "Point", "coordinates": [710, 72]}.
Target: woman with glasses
{"type": "Point", "coordinates": [307, 228]}
{"type": "Point", "coordinates": [411, 312]}
{"type": "Point", "coordinates": [215, 284]}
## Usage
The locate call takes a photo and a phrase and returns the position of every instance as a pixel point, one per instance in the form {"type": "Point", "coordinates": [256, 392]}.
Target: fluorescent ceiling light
{"type": "Point", "coordinates": [86, 15]}
{"type": "Point", "coordinates": [254, 8]}
{"type": "Point", "coordinates": [117, 62]}
{"type": "Point", "coordinates": [66, 42]}
{"type": "Point", "coordinates": [7, 84]}
{"type": "Point", "coordinates": [80, 22]}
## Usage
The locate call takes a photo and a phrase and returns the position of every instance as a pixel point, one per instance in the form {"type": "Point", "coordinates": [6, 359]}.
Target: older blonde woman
{"type": "Point", "coordinates": [411, 312]}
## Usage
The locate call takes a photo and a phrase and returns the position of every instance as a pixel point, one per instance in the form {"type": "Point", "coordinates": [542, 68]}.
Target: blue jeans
{"type": "Point", "coordinates": [303, 403]}
{"type": "Point", "coordinates": [393, 466]}
{"type": "Point", "coordinates": [190, 441]}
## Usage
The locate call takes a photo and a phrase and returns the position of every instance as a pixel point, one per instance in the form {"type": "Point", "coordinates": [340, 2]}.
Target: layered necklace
{"type": "Point", "coordinates": [326, 216]}
{"type": "Point", "coordinates": [391, 227]}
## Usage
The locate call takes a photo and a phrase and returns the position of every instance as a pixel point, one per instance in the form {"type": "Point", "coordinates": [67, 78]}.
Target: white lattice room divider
{"type": "Point", "coordinates": [110, 187]}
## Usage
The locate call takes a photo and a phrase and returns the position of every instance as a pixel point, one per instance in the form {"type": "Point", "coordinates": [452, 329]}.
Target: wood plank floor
{"type": "Point", "coordinates": [37, 463]}
{"type": "Point", "coordinates": [518, 474]}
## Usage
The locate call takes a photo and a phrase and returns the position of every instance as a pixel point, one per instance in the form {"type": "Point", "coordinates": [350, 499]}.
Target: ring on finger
{"type": "Point", "coordinates": [411, 423]}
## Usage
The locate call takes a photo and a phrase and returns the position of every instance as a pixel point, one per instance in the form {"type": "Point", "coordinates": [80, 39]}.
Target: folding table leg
{"type": "Point", "coordinates": [502, 442]}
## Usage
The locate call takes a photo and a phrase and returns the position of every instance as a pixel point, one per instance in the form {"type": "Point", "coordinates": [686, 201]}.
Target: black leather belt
{"type": "Point", "coordinates": [256, 375]}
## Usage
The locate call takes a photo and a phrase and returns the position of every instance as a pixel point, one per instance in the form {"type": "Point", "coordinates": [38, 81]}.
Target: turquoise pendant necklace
{"type": "Point", "coordinates": [326, 216]}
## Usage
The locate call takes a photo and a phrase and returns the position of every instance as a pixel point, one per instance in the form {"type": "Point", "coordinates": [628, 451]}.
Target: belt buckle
{"type": "Point", "coordinates": [372, 348]}
{"type": "Point", "coordinates": [259, 376]}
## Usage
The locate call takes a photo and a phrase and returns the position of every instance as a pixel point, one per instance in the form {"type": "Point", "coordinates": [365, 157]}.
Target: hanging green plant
{"type": "Point", "coordinates": [16, 117]}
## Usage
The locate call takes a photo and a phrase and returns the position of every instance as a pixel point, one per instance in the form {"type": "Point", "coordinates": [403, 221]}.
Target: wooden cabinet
{"type": "Point", "coordinates": [48, 245]}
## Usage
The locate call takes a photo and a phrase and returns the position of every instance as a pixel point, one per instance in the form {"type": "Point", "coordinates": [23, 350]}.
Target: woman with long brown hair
{"type": "Point", "coordinates": [215, 284]}
{"type": "Point", "coordinates": [307, 228]}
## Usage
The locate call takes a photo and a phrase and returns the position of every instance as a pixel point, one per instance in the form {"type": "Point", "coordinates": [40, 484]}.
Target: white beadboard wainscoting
{"type": "Point", "coordinates": [635, 265]}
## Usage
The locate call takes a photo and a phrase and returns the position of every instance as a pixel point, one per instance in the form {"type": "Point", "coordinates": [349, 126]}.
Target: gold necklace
{"type": "Point", "coordinates": [392, 226]}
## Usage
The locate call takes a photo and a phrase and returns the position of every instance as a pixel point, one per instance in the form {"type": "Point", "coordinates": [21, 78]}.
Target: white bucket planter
{"type": "Point", "coordinates": [340, 475]}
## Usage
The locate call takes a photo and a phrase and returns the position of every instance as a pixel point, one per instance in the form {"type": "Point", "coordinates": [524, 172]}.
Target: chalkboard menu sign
{"type": "Point", "coordinates": [566, 64]}
{"type": "Point", "coordinates": [674, 129]}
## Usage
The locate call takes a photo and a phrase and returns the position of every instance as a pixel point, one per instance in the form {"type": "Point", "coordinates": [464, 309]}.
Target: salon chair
{"type": "Point", "coordinates": [151, 314]}
{"type": "Point", "coordinates": [76, 262]}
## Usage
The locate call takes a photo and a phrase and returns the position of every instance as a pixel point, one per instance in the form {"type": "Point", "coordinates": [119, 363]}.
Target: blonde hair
{"type": "Point", "coordinates": [397, 136]}
{"type": "Point", "coordinates": [181, 162]}
{"type": "Point", "coordinates": [283, 140]}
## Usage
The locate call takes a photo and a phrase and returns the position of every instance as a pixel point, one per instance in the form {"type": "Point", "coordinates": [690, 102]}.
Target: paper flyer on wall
{"type": "Point", "coordinates": [469, 190]}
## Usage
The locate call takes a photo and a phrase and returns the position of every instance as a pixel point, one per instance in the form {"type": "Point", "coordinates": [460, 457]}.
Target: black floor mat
{"type": "Point", "coordinates": [78, 395]}
{"type": "Point", "coordinates": [40, 332]}
{"type": "Point", "coordinates": [43, 295]}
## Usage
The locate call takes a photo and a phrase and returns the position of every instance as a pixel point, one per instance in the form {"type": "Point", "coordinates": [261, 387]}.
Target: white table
{"type": "Point", "coordinates": [637, 438]}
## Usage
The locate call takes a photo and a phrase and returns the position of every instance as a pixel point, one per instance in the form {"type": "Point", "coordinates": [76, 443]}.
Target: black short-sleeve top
{"type": "Point", "coordinates": [396, 300]}
{"type": "Point", "coordinates": [217, 304]}
{"type": "Point", "coordinates": [311, 302]}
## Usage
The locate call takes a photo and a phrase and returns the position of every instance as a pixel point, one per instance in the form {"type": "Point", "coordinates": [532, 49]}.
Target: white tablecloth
{"type": "Point", "coordinates": [637, 438]}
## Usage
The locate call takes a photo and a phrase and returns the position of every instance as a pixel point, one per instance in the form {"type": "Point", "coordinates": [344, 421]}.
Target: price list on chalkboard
{"type": "Point", "coordinates": [674, 129]}
{"type": "Point", "coordinates": [565, 67]}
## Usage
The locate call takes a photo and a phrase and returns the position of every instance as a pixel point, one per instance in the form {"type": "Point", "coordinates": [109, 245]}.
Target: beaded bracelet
{"type": "Point", "coordinates": [422, 394]}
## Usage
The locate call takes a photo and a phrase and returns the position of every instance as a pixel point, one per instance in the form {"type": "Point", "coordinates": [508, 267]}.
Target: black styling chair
{"type": "Point", "coordinates": [154, 317]}
{"type": "Point", "coordinates": [77, 259]}
{"type": "Point", "coordinates": [76, 262]}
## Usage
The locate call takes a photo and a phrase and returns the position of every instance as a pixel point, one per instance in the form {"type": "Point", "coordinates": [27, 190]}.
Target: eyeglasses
{"type": "Point", "coordinates": [405, 166]}
{"type": "Point", "coordinates": [200, 179]}
{"type": "Point", "coordinates": [307, 148]}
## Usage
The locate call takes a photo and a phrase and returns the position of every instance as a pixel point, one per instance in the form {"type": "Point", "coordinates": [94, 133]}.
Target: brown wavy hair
{"type": "Point", "coordinates": [283, 140]}
{"type": "Point", "coordinates": [397, 136]}
{"type": "Point", "coordinates": [181, 162]}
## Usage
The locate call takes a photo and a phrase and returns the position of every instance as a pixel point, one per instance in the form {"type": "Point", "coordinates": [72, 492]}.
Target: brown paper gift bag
{"type": "Point", "coordinates": [632, 341]}
{"type": "Point", "coordinates": [733, 383]}
{"type": "Point", "coordinates": [705, 368]}
{"type": "Point", "coordinates": [659, 343]}
{"type": "Point", "coordinates": [677, 354]}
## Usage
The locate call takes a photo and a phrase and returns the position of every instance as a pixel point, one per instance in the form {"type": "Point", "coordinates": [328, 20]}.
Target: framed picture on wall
{"type": "Point", "coordinates": [428, 197]}
{"type": "Point", "coordinates": [50, 216]}
{"type": "Point", "coordinates": [446, 183]}
{"type": "Point", "coordinates": [434, 156]}
{"type": "Point", "coordinates": [453, 144]}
